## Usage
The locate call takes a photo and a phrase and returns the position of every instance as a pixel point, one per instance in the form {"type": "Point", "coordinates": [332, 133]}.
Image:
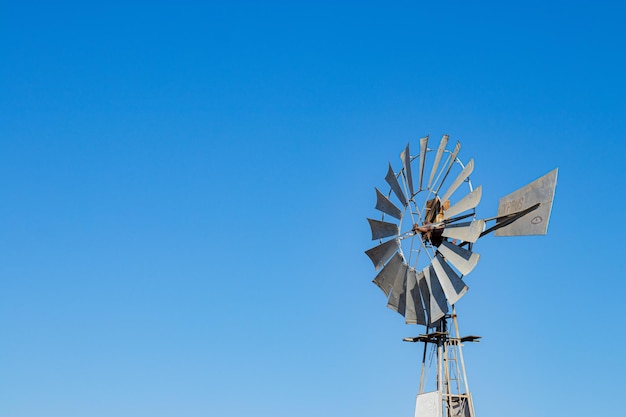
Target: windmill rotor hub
{"type": "Point", "coordinates": [431, 232]}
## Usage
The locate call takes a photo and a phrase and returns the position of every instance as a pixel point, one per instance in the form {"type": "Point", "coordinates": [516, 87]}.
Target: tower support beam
{"type": "Point", "coordinates": [451, 396]}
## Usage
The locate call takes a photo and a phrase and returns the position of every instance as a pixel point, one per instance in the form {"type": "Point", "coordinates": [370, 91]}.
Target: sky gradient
{"type": "Point", "coordinates": [185, 187]}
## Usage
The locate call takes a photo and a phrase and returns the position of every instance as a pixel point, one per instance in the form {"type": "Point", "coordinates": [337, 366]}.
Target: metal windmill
{"type": "Point", "coordinates": [426, 236]}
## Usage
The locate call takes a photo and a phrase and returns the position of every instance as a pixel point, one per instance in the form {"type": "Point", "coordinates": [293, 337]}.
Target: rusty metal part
{"type": "Point", "coordinates": [431, 233]}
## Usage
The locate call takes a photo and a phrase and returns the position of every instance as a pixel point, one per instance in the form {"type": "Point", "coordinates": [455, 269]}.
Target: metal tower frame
{"type": "Point", "coordinates": [452, 397]}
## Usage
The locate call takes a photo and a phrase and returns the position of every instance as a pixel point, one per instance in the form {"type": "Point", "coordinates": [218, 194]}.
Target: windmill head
{"type": "Point", "coordinates": [428, 228]}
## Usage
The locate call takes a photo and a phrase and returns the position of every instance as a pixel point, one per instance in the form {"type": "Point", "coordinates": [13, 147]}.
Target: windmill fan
{"type": "Point", "coordinates": [426, 234]}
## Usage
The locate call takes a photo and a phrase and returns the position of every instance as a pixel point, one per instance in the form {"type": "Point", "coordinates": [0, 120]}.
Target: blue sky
{"type": "Point", "coordinates": [185, 188]}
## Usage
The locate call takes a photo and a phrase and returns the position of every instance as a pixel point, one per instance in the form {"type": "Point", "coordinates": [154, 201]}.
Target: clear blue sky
{"type": "Point", "coordinates": [184, 190]}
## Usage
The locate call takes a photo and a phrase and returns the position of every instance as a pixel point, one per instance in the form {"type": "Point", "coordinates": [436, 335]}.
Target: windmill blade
{"type": "Point", "coordinates": [536, 222]}
{"type": "Point", "coordinates": [386, 206]}
{"type": "Point", "coordinates": [437, 305]}
{"type": "Point", "coordinates": [392, 180]}
{"type": "Point", "coordinates": [467, 231]}
{"type": "Point", "coordinates": [456, 150]}
{"type": "Point", "coordinates": [387, 276]}
{"type": "Point", "coordinates": [423, 147]}
{"type": "Point", "coordinates": [379, 254]}
{"type": "Point", "coordinates": [383, 229]}
{"type": "Point", "coordinates": [459, 180]}
{"type": "Point", "coordinates": [424, 293]}
{"type": "Point", "coordinates": [406, 162]}
{"type": "Point", "coordinates": [468, 202]}
{"type": "Point", "coordinates": [414, 312]}
{"type": "Point", "coordinates": [462, 259]}
{"type": "Point", "coordinates": [453, 287]}
{"type": "Point", "coordinates": [442, 147]}
{"type": "Point", "coordinates": [397, 298]}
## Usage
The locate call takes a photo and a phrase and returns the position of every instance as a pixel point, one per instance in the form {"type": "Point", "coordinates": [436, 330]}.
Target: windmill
{"type": "Point", "coordinates": [426, 236]}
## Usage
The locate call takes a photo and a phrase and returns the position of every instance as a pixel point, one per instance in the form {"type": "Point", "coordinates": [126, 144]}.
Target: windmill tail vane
{"type": "Point", "coordinates": [426, 233]}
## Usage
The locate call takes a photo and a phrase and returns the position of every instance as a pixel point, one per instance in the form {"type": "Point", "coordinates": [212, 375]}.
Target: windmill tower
{"type": "Point", "coordinates": [426, 236]}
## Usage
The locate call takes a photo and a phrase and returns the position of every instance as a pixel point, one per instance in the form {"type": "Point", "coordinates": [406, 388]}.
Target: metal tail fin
{"type": "Point", "coordinates": [536, 222]}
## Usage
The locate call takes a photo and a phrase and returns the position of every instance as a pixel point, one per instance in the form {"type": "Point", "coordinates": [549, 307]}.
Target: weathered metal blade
{"type": "Point", "coordinates": [459, 180]}
{"type": "Point", "coordinates": [453, 287]}
{"type": "Point", "coordinates": [388, 274]}
{"type": "Point", "coordinates": [383, 229]}
{"type": "Point", "coordinates": [424, 293]}
{"type": "Point", "coordinates": [455, 152]}
{"type": "Point", "coordinates": [392, 180]}
{"type": "Point", "coordinates": [379, 254]}
{"type": "Point", "coordinates": [536, 222]}
{"type": "Point", "coordinates": [405, 155]}
{"type": "Point", "coordinates": [462, 259]}
{"type": "Point", "coordinates": [466, 203]}
{"type": "Point", "coordinates": [414, 313]}
{"type": "Point", "coordinates": [423, 147]}
{"type": "Point", "coordinates": [386, 206]}
{"type": "Point", "coordinates": [466, 231]}
{"type": "Point", "coordinates": [442, 147]}
{"type": "Point", "coordinates": [438, 306]}
{"type": "Point", "coordinates": [397, 299]}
